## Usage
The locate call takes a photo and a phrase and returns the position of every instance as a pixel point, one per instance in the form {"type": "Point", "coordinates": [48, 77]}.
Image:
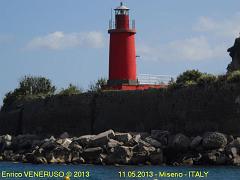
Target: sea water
{"type": "Point", "coordinates": [11, 171]}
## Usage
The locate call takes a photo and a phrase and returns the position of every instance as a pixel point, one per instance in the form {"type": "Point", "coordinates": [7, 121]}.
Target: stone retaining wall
{"type": "Point", "coordinates": [189, 110]}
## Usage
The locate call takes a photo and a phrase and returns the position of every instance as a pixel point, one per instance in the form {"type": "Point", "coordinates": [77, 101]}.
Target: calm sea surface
{"type": "Point", "coordinates": [28, 171]}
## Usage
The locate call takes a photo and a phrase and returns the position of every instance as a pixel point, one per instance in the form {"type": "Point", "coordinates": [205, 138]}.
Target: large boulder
{"type": "Point", "coordinates": [76, 158]}
{"type": "Point", "coordinates": [233, 151]}
{"type": "Point", "coordinates": [49, 145]}
{"type": "Point", "coordinates": [92, 154]}
{"type": "Point", "coordinates": [8, 155]}
{"type": "Point", "coordinates": [156, 157]}
{"type": "Point", "coordinates": [101, 139]}
{"type": "Point", "coordinates": [214, 140]}
{"type": "Point", "coordinates": [75, 147]}
{"type": "Point", "coordinates": [83, 140]}
{"type": "Point", "coordinates": [24, 142]}
{"type": "Point", "coordinates": [134, 141]}
{"type": "Point", "coordinates": [113, 143]}
{"type": "Point", "coordinates": [215, 157]}
{"type": "Point", "coordinates": [40, 160]}
{"type": "Point", "coordinates": [58, 155]}
{"type": "Point", "coordinates": [120, 155]}
{"type": "Point", "coordinates": [161, 136]}
{"type": "Point", "coordinates": [123, 137]}
{"type": "Point", "coordinates": [153, 142]}
{"type": "Point", "coordinates": [64, 142]}
{"type": "Point", "coordinates": [180, 142]}
{"type": "Point", "coordinates": [196, 143]}
{"type": "Point", "coordinates": [5, 142]}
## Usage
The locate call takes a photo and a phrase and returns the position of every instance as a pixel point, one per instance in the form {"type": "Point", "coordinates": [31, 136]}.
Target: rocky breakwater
{"type": "Point", "coordinates": [112, 148]}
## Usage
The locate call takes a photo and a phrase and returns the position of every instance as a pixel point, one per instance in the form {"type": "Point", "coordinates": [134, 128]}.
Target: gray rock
{"type": "Point", "coordinates": [123, 137]}
{"type": "Point", "coordinates": [214, 140]}
{"type": "Point", "coordinates": [64, 142]}
{"type": "Point", "coordinates": [22, 142]}
{"type": "Point", "coordinates": [30, 157]}
{"type": "Point", "coordinates": [149, 150]}
{"type": "Point", "coordinates": [49, 145]}
{"type": "Point", "coordinates": [76, 158]}
{"type": "Point", "coordinates": [153, 142]}
{"type": "Point", "coordinates": [40, 160]}
{"type": "Point", "coordinates": [92, 154]}
{"type": "Point", "coordinates": [161, 136]}
{"type": "Point", "coordinates": [139, 158]}
{"type": "Point", "coordinates": [156, 157]}
{"type": "Point", "coordinates": [120, 155]}
{"type": "Point", "coordinates": [180, 142]}
{"type": "Point", "coordinates": [196, 142]}
{"type": "Point", "coordinates": [7, 155]}
{"type": "Point", "coordinates": [216, 158]}
{"type": "Point", "coordinates": [113, 143]}
{"type": "Point", "coordinates": [5, 142]}
{"type": "Point", "coordinates": [187, 161]}
{"type": "Point", "coordinates": [84, 140]}
{"type": "Point", "coordinates": [236, 156]}
{"type": "Point", "coordinates": [7, 137]}
{"type": "Point", "coordinates": [101, 139]}
{"type": "Point", "coordinates": [233, 151]}
{"type": "Point", "coordinates": [142, 143]}
{"type": "Point", "coordinates": [137, 138]}
{"type": "Point", "coordinates": [59, 155]}
{"type": "Point", "coordinates": [74, 146]}
{"type": "Point", "coordinates": [134, 141]}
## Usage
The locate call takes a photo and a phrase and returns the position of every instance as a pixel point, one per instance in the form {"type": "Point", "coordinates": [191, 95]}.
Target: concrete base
{"type": "Point", "coordinates": [121, 82]}
{"type": "Point", "coordinates": [126, 87]}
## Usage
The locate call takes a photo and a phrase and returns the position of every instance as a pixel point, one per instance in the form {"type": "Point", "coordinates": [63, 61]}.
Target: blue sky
{"type": "Point", "coordinates": [67, 41]}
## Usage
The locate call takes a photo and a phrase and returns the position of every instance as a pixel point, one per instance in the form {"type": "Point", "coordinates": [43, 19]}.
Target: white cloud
{"type": "Point", "coordinates": [228, 27]}
{"type": "Point", "coordinates": [210, 43]}
{"type": "Point", "coordinates": [191, 49]}
{"type": "Point", "coordinates": [60, 40]}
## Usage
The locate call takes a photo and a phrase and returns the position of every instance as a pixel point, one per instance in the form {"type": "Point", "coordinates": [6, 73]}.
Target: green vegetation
{"type": "Point", "coordinates": [192, 78]}
{"type": "Point", "coordinates": [71, 90]}
{"type": "Point", "coordinates": [206, 79]}
{"type": "Point", "coordinates": [188, 78]}
{"type": "Point", "coordinates": [233, 77]}
{"type": "Point", "coordinates": [33, 87]}
{"type": "Point", "coordinates": [30, 87]}
{"type": "Point", "coordinates": [97, 85]}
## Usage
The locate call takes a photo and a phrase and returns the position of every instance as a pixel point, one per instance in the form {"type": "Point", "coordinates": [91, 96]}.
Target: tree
{"type": "Point", "coordinates": [71, 90]}
{"type": "Point", "coordinates": [30, 86]}
{"type": "Point", "coordinates": [188, 77]}
{"type": "Point", "coordinates": [97, 85]}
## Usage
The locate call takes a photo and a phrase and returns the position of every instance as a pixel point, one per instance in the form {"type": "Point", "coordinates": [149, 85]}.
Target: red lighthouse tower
{"type": "Point", "coordinates": [122, 54]}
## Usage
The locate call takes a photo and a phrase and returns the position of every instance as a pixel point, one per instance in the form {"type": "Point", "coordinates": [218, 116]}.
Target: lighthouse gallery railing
{"type": "Point", "coordinates": [153, 79]}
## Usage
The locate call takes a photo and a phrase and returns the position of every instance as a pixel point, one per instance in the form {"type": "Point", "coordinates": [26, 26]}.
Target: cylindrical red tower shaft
{"type": "Point", "coordinates": [122, 55]}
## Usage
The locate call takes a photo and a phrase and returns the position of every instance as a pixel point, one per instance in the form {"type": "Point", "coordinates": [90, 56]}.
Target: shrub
{"type": "Point", "coordinates": [233, 77]}
{"type": "Point", "coordinates": [206, 79]}
{"type": "Point", "coordinates": [30, 86]}
{"type": "Point", "coordinates": [71, 90]}
{"type": "Point", "coordinates": [189, 83]}
{"type": "Point", "coordinates": [188, 78]}
{"type": "Point", "coordinates": [98, 85]}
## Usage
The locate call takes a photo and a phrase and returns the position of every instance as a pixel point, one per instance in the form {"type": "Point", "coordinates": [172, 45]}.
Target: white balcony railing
{"type": "Point", "coordinates": [153, 79]}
